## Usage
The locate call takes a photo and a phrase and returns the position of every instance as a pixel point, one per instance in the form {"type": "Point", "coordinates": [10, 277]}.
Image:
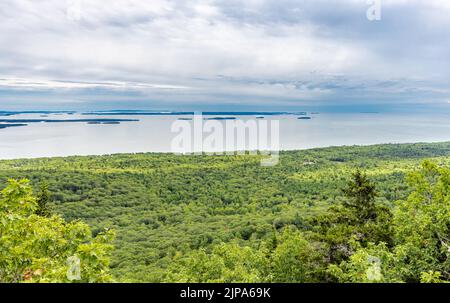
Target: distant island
{"type": "Point", "coordinates": [43, 112]}
{"type": "Point", "coordinates": [3, 126]}
{"type": "Point", "coordinates": [136, 113]}
{"type": "Point", "coordinates": [24, 122]}
{"type": "Point", "coordinates": [170, 113]}
{"type": "Point", "coordinates": [304, 118]}
{"type": "Point", "coordinates": [64, 120]}
{"type": "Point", "coordinates": [221, 118]}
{"type": "Point", "coordinates": [107, 122]}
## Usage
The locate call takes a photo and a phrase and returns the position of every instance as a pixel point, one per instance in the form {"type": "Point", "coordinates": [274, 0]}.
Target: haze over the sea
{"type": "Point", "coordinates": [152, 133]}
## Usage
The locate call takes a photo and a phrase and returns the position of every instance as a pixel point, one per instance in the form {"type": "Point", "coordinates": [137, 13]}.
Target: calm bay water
{"type": "Point", "coordinates": [153, 133]}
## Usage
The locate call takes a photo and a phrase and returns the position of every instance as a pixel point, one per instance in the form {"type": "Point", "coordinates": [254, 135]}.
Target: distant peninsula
{"type": "Point", "coordinates": [3, 126]}
{"type": "Point", "coordinates": [6, 123]}
{"type": "Point", "coordinates": [181, 113]}
{"type": "Point", "coordinates": [43, 112]}
{"type": "Point", "coordinates": [221, 118]}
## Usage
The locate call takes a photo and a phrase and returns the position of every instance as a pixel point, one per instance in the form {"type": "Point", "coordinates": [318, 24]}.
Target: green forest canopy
{"type": "Point", "coordinates": [342, 214]}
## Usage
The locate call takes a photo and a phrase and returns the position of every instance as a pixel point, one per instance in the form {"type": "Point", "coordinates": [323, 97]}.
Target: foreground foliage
{"type": "Point", "coordinates": [38, 247]}
{"type": "Point", "coordinates": [421, 230]}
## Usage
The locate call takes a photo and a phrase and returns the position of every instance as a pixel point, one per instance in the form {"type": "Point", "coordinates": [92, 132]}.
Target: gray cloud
{"type": "Point", "coordinates": [213, 53]}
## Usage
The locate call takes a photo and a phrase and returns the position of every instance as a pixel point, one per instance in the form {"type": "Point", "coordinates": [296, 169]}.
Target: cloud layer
{"type": "Point", "coordinates": [280, 53]}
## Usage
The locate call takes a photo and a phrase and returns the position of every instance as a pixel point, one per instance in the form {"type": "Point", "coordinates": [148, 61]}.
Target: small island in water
{"type": "Point", "coordinates": [5, 123]}
{"type": "Point", "coordinates": [221, 118]}
{"type": "Point", "coordinates": [3, 126]}
{"type": "Point", "coordinates": [102, 123]}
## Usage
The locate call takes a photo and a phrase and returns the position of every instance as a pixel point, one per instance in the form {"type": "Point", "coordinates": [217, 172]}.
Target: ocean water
{"type": "Point", "coordinates": [153, 133]}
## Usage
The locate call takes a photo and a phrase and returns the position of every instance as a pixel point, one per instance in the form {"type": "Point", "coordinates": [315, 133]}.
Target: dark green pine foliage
{"type": "Point", "coordinates": [43, 200]}
{"type": "Point", "coordinates": [361, 194]}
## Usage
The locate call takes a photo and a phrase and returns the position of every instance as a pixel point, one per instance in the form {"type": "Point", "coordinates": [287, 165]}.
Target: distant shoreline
{"type": "Point", "coordinates": [155, 113]}
{"type": "Point", "coordinates": [283, 151]}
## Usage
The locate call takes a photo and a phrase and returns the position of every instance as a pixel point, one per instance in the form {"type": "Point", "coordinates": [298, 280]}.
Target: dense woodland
{"type": "Point", "coordinates": [342, 214]}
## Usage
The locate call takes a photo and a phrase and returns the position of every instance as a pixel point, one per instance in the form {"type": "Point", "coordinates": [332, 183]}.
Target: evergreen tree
{"type": "Point", "coordinates": [43, 198]}
{"type": "Point", "coordinates": [357, 220]}
{"type": "Point", "coordinates": [361, 194]}
{"type": "Point", "coordinates": [421, 226]}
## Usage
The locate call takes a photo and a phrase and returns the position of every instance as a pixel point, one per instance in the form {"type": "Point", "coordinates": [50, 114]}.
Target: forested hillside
{"type": "Point", "coordinates": [332, 214]}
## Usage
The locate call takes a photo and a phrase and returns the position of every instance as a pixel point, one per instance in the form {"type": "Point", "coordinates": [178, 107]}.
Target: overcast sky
{"type": "Point", "coordinates": [279, 54]}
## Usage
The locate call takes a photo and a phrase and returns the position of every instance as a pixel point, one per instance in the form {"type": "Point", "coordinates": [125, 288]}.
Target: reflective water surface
{"type": "Point", "coordinates": [153, 133]}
